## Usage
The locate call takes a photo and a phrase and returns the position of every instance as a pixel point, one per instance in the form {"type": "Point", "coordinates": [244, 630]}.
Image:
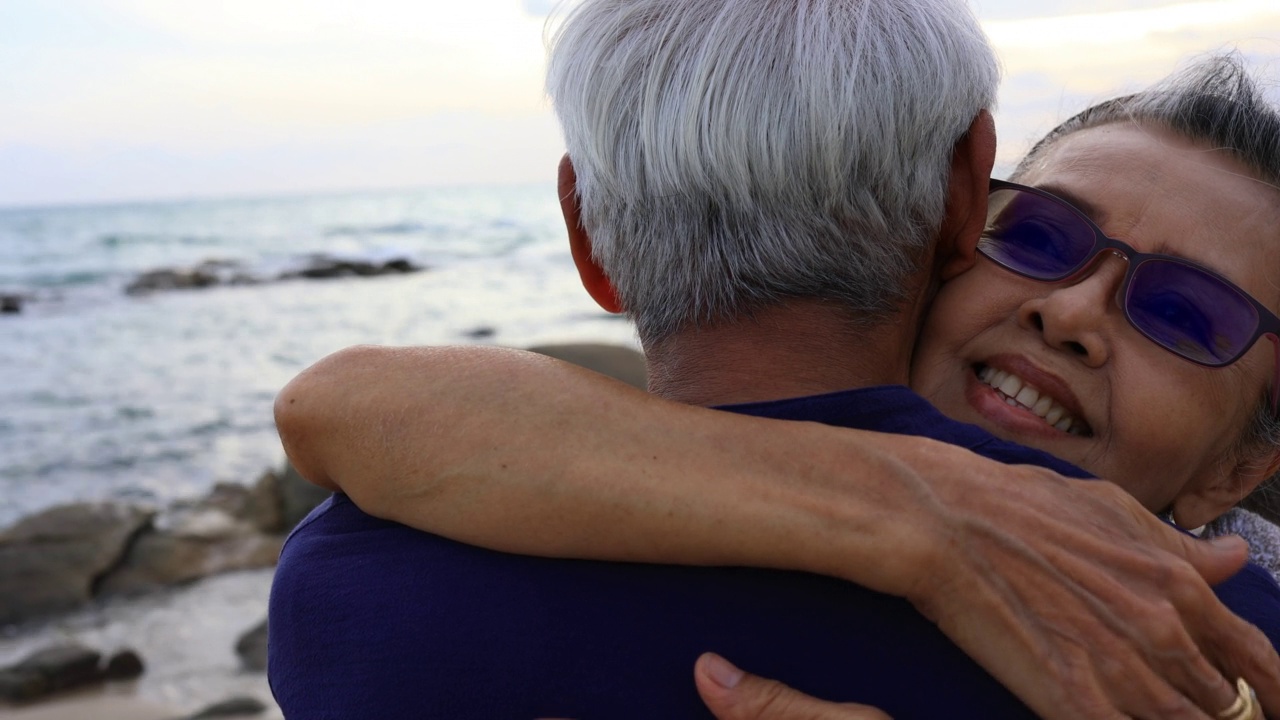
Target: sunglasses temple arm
{"type": "Point", "coordinates": [1275, 380]}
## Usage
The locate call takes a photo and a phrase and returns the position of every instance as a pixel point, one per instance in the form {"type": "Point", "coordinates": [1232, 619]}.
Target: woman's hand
{"type": "Point", "coordinates": [732, 694]}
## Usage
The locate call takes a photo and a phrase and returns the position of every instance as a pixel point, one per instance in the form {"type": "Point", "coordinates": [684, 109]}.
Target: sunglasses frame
{"type": "Point", "coordinates": [1268, 324]}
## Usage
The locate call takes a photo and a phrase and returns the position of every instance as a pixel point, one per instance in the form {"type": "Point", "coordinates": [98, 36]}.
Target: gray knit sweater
{"type": "Point", "coordinates": [1262, 535]}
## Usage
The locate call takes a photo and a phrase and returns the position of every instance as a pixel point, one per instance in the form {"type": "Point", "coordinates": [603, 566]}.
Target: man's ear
{"type": "Point", "coordinates": [1197, 506]}
{"type": "Point", "coordinates": [598, 285]}
{"type": "Point", "coordinates": [966, 212]}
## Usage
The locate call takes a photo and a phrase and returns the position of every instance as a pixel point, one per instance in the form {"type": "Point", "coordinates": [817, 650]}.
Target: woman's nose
{"type": "Point", "coordinates": [1077, 317]}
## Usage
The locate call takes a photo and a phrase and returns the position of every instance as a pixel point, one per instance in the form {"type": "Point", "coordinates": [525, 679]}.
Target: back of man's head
{"type": "Point", "coordinates": [731, 154]}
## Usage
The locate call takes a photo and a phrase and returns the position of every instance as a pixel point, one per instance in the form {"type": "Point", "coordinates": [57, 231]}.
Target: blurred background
{"type": "Point", "coordinates": [198, 200]}
{"type": "Point", "coordinates": [143, 100]}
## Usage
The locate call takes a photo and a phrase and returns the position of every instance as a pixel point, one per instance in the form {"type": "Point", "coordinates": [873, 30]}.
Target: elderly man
{"type": "Point", "coordinates": [772, 190]}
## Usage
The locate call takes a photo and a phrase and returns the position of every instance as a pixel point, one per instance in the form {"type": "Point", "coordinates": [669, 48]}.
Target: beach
{"type": "Point", "coordinates": [152, 399]}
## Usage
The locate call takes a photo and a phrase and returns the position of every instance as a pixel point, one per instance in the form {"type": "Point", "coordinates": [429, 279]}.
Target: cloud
{"type": "Point", "coordinates": [541, 8]}
{"type": "Point", "coordinates": [1017, 9]}
{"type": "Point", "coordinates": [1056, 66]}
{"type": "Point", "coordinates": [449, 148]}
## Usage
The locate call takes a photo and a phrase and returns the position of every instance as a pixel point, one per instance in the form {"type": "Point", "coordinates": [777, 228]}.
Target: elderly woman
{"type": "Point", "coordinates": [1112, 320]}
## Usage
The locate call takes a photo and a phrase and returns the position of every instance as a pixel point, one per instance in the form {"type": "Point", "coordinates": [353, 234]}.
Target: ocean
{"type": "Point", "coordinates": [156, 397]}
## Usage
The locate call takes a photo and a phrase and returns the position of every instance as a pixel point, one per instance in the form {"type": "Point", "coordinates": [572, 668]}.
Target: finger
{"type": "Point", "coordinates": [1217, 559]}
{"type": "Point", "coordinates": [1230, 647]}
{"type": "Point", "coordinates": [1243, 651]}
{"type": "Point", "coordinates": [732, 694]}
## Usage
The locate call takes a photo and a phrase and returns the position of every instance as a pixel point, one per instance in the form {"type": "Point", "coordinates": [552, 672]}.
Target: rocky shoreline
{"type": "Point", "coordinates": [71, 561]}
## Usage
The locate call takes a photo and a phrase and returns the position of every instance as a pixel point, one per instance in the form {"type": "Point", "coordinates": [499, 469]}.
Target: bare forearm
{"type": "Point", "coordinates": [518, 452]}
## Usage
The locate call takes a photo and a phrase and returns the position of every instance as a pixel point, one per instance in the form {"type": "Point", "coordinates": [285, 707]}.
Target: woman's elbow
{"type": "Point", "coordinates": [308, 411]}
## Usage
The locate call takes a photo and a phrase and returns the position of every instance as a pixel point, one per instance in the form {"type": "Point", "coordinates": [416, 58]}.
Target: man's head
{"type": "Point", "coordinates": [731, 155]}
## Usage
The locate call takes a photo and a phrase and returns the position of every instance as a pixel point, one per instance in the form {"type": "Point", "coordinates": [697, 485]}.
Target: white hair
{"type": "Point", "coordinates": [731, 154]}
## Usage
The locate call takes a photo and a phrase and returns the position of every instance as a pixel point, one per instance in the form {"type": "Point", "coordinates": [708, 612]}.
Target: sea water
{"type": "Point", "coordinates": [152, 398]}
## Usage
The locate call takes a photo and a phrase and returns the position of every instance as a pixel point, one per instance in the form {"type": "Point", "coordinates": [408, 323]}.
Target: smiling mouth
{"type": "Point", "coordinates": [1020, 394]}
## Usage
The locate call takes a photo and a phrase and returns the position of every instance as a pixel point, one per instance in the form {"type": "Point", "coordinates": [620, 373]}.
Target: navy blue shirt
{"type": "Point", "coordinates": [371, 619]}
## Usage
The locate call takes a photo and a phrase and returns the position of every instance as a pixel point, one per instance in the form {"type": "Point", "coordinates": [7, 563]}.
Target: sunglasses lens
{"type": "Point", "coordinates": [1190, 312]}
{"type": "Point", "coordinates": [1035, 236]}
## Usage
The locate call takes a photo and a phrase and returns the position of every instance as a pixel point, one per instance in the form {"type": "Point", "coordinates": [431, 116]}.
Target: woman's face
{"type": "Point", "coordinates": [1123, 407]}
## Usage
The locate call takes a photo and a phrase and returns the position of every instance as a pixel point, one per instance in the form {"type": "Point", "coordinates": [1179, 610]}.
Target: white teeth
{"type": "Point", "coordinates": [1042, 405]}
{"type": "Point", "coordinates": [1028, 396]}
{"type": "Point", "coordinates": [1017, 393]}
{"type": "Point", "coordinates": [1010, 385]}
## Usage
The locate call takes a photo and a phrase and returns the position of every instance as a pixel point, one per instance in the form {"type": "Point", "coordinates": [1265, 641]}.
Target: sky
{"type": "Point", "coordinates": [125, 100]}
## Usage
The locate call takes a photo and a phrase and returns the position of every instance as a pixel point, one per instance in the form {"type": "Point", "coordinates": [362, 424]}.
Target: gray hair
{"type": "Point", "coordinates": [731, 154]}
{"type": "Point", "coordinates": [1214, 101]}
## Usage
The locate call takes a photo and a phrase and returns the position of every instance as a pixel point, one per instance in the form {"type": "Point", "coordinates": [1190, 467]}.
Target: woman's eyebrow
{"type": "Point", "coordinates": [1098, 215]}
{"type": "Point", "coordinates": [1095, 212]}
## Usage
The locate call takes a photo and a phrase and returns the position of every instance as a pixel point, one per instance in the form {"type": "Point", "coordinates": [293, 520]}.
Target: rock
{"type": "Point", "coordinates": [297, 497]}
{"type": "Point", "coordinates": [125, 665]}
{"type": "Point", "coordinates": [10, 304]}
{"type": "Point", "coordinates": [51, 561]}
{"type": "Point", "coordinates": [63, 665]}
{"type": "Point", "coordinates": [233, 707]}
{"type": "Point", "coordinates": [325, 267]}
{"type": "Point", "coordinates": [207, 274]}
{"type": "Point", "coordinates": [187, 544]}
{"type": "Point", "coordinates": [171, 279]}
{"type": "Point", "coordinates": [60, 667]}
{"type": "Point", "coordinates": [621, 363]}
{"type": "Point", "coordinates": [264, 508]}
{"type": "Point", "coordinates": [252, 648]}
{"type": "Point", "coordinates": [480, 333]}
{"type": "Point", "coordinates": [230, 498]}
{"type": "Point", "coordinates": [20, 687]}
{"type": "Point", "coordinates": [258, 505]}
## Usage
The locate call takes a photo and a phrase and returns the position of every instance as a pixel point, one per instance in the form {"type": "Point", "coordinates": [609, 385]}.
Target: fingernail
{"type": "Point", "coordinates": [1225, 542]}
{"type": "Point", "coordinates": [722, 672]}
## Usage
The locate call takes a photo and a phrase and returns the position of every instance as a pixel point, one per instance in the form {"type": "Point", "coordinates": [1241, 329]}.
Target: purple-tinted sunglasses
{"type": "Point", "coordinates": [1184, 308]}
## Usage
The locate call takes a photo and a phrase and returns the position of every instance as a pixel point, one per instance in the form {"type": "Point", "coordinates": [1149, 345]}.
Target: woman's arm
{"type": "Point", "coordinates": [525, 454]}
{"type": "Point", "coordinates": [1069, 592]}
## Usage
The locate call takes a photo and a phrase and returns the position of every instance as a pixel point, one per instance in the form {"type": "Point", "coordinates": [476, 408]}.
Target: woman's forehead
{"type": "Point", "coordinates": [1161, 192]}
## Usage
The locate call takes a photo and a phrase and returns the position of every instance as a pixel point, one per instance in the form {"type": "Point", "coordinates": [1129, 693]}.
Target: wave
{"type": "Point", "coordinates": [68, 279]}
{"type": "Point", "coordinates": [115, 240]}
{"type": "Point", "coordinates": [401, 228]}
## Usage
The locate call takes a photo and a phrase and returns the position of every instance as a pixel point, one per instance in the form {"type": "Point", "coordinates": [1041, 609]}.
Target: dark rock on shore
{"type": "Point", "coordinates": [51, 562]}
{"type": "Point", "coordinates": [251, 647]}
{"type": "Point", "coordinates": [64, 667]}
{"type": "Point", "coordinates": [297, 496]}
{"type": "Point", "coordinates": [187, 544]}
{"type": "Point", "coordinates": [172, 279]}
{"type": "Point", "coordinates": [214, 273]}
{"type": "Point", "coordinates": [124, 665]}
{"type": "Point", "coordinates": [65, 557]}
{"type": "Point", "coordinates": [322, 267]}
{"type": "Point", "coordinates": [233, 707]}
{"type": "Point", "coordinates": [10, 304]}
{"type": "Point", "coordinates": [621, 363]}
{"type": "Point", "coordinates": [260, 505]}
{"type": "Point", "coordinates": [232, 528]}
